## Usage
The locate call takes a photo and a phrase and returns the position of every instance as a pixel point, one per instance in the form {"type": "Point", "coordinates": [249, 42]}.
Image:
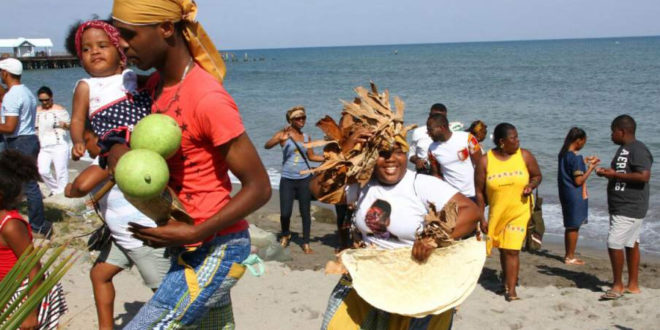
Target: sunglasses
{"type": "Point", "coordinates": [303, 118]}
{"type": "Point", "coordinates": [44, 100]}
{"type": "Point", "coordinates": [388, 153]}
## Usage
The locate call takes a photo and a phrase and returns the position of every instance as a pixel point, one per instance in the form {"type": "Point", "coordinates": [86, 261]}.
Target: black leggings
{"type": "Point", "coordinates": [291, 189]}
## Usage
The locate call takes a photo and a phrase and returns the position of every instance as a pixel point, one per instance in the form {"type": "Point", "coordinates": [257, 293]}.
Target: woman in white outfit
{"type": "Point", "coordinates": [52, 124]}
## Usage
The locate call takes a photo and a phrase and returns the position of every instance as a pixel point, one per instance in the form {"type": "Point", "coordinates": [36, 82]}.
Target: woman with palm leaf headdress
{"type": "Point", "coordinates": [365, 165]}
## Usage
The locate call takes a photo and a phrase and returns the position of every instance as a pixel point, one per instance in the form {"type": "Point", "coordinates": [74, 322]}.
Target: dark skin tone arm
{"type": "Point", "coordinates": [466, 223]}
{"type": "Point", "coordinates": [278, 138]}
{"type": "Point", "coordinates": [79, 113]}
{"type": "Point", "coordinates": [534, 172]}
{"type": "Point", "coordinates": [15, 236]}
{"type": "Point", "coordinates": [10, 125]}
{"type": "Point", "coordinates": [435, 167]}
{"type": "Point", "coordinates": [581, 179]}
{"type": "Point", "coordinates": [634, 177]}
{"type": "Point", "coordinates": [242, 159]}
{"type": "Point", "coordinates": [419, 162]}
{"type": "Point", "coordinates": [475, 155]}
{"type": "Point", "coordinates": [480, 189]}
{"type": "Point", "coordinates": [85, 182]}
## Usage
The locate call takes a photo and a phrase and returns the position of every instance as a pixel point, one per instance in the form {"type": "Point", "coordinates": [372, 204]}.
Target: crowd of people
{"type": "Point", "coordinates": [192, 267]}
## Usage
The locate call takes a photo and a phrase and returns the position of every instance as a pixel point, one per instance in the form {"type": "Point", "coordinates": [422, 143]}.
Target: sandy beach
{"type": "Point", "coordinates": [293, 294]}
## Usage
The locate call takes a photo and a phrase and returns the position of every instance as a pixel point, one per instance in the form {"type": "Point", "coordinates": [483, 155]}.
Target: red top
{"type": "Point", "coordinates": [7, 256]}
{"type": "Point", "coordinates": [208, 118]}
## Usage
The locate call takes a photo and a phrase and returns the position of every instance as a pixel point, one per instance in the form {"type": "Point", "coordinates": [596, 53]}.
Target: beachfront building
{"type": "Point", "coordinates": [22, 47]}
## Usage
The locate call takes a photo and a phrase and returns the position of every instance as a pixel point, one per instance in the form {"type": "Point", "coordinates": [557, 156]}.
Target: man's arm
{"type": "Point", "coordinates": [10, 124]}
{"type": "Point", "coordinates": [243, 160]}
{"type": "Point", "coordinates": [634, 177]}
{"type": "Point", "coordinates": [435, 167]}
{"type": "Point", "coordinates": [475, 149]}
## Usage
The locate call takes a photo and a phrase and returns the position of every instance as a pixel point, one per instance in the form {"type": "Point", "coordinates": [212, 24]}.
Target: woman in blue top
{"type": "Point", "coordinates": [294, 185]}
{"type": "Point", "coordinates": [571, 180]}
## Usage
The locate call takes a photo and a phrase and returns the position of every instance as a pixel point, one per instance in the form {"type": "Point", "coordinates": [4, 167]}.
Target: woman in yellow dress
{"type": "Point", "coordinates": [505, 180]}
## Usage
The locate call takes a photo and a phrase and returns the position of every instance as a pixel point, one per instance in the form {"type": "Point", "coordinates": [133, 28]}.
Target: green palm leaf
{"type": "Point", "coordinates": [12, 315]}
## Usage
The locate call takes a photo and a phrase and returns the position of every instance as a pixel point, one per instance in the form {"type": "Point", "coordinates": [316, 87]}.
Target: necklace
{"type": "Point", "coordinates": [159, 89]}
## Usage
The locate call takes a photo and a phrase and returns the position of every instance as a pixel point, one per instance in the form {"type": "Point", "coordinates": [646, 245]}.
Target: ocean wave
{"type": "Point", "coordinates": [597, 227]}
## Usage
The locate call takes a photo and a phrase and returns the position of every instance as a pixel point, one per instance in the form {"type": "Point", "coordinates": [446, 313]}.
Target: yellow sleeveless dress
{"type": "Point", "coordinates": [509, 211]}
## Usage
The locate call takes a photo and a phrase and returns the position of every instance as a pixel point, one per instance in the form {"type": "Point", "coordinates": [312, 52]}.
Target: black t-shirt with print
{"type": "Point", "coordinates": [630, 199]}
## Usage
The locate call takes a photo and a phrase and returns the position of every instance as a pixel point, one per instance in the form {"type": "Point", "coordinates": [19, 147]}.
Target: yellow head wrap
{"type": "Point", "coordinates": [146, 12]}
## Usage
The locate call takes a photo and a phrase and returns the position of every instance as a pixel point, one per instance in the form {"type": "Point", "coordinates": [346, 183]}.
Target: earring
{"type": "Point", "coordinates": [502, 146]}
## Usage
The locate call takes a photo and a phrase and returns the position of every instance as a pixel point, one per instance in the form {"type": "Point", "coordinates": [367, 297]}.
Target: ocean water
{"type": "Point", "coordinates": [542, 87]}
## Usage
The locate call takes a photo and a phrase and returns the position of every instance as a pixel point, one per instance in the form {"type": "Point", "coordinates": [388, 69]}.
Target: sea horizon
{"type": "Point", "coordinates": [543, 87]}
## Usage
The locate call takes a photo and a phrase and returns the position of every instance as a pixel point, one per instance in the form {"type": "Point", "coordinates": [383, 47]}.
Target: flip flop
{"type": "Point", "coordinates": [611, 295]}
{"type": "Point", "coordinates": [511, 298]}
{"type": "Point", "coordinates": [626, 291]}
{"type": "Point", "coordinates": [573, 261]}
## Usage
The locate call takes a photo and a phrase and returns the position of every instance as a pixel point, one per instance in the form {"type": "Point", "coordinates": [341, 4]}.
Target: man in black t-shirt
{"type": "Point", "coordinates": [627, 201]}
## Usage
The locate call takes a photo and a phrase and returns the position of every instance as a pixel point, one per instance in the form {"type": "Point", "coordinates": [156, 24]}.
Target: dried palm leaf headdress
{"type": "Point", "coordinates": [342, 166]}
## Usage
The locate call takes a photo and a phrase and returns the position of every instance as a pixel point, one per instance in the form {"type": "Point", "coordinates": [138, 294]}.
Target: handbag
{"type": "Point", "coordinates": [535, 226]}
{"type": "Point", "coordinates": [99, 238]}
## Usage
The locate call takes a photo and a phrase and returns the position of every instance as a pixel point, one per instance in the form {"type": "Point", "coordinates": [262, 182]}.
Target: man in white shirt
{"type": "Point", "coordinates": [420, 142]}
{"type": "Point", "coordinates": [18, 112]}
{"type": "Point", "coordinates": [453, 155]}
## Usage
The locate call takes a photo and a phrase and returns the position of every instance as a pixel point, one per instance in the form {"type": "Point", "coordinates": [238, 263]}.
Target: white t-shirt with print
{"type": "Point", "coordinates": [406, 203]}
{"type": "Point", "coordinates": [453, 158]}
{"type": "Point", "coordinates": [420, 140]}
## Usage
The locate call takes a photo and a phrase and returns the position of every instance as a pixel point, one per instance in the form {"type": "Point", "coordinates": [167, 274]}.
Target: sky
{"type": "Point", "coordinates": [258, 24]}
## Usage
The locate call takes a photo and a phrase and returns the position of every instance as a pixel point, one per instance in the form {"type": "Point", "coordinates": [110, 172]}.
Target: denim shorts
{"type": "Point", "coordinates": [151, 263]}
{"type": "Point", "coordinates": [195, 292]}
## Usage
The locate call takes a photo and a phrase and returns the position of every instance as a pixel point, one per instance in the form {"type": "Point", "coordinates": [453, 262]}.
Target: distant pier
{"type": "Point", "coordinates": [49, 62]}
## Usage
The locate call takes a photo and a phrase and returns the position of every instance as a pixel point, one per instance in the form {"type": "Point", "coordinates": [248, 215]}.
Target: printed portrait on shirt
{"type": "Point", "coordinates": [378, 218]}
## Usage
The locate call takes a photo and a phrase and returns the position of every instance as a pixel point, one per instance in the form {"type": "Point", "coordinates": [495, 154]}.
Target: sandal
{"type": "Point", "coordinates": [284, 241]}
{"type": "Point", "coordinates": [573, 261]}
{"type": "Point", "coordinates": [307, 249]}
{"type": "Point", "coordinates": [509, 298]}
{"type": "Point", "coordinates": [611, 295]}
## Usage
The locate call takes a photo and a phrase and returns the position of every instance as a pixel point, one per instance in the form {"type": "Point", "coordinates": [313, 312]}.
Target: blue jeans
{"type": "Point", "coordinates": [206, 304]}
{"type": "Point", "coordinates": [29, 145]}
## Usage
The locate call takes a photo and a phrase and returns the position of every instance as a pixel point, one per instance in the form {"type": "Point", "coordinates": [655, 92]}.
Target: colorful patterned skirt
{"type": "Point", "coordinates": [195, 291]}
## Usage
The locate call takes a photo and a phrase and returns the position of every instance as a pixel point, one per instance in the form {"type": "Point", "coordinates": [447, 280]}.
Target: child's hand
{"type": "Point", "coordinates": [77, 151]}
